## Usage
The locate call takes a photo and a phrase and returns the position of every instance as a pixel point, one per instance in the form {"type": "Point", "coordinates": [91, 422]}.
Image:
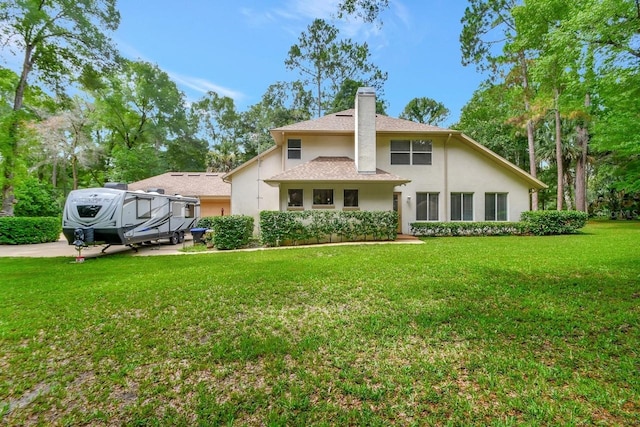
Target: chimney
{"type": "Point", "coordinates": [365, 129]}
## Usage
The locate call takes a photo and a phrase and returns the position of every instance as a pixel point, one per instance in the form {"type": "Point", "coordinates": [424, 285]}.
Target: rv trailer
{"type": "Point", "coordinates": [115, 216]}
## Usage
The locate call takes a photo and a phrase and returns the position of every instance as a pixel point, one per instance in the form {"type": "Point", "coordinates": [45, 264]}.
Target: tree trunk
{"type": "Point", "coordinates": [581, 164]}
{"type": "Point", "coordinates": [8, 197]}
{"type": "Point", "coordinates": [74, 171]}
{"type": "Point", "coordinates": [532, 162]}
{"type": "Point", "coordinates": [530, 134]}
{"type": "Point", "coordinates": [560, 194]}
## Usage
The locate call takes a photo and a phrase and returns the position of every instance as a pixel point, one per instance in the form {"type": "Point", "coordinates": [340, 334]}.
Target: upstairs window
{"type": "Point", "coordinates": [294, 149]}
{"type": "Point", "coordinates": [411, 152]}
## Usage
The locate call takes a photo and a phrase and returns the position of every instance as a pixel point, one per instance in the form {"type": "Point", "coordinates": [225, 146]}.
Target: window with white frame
{"type": "Point", "coordinates": [495, 206]}
{"type": "Point", "coordinates": [411, 152]}
{"type": "Point", "coordinates": [427, 206]}
{"type": "Point", "coordinates": [461, 206]}
{"type": "Point", "coordinates": [323, 197]}
{"type": "Point", "coordinates": [294, 149]}
{"type": "Point", "coordinates": [143, 208]}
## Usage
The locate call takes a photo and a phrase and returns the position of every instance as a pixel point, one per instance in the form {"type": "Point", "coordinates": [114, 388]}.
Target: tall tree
{"type": "Point", "coordinates": [367, 10]}
{"type": "Point", "coordinates": [325, 62]}
{"type": "Point", "coordinates": [487, 40]}
{"type": "Point", "coordinates": [54, 40]}
{"type": "Point", "coordinates": [141, 111]}
{"type": "Point", "coordinates": [425, 110]}
{"type": "Point", "coordinates": [493, 118]}
{"type": "Point", "coordinates": [282, 104]}
{"type": "Point", "coordinates": [345, 98]}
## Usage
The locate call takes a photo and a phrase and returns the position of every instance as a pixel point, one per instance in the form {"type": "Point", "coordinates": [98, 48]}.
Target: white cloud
{"type": "Point", "coordinates": [203, 86]}
{"type": "Point", "coordinates": [196, 84]}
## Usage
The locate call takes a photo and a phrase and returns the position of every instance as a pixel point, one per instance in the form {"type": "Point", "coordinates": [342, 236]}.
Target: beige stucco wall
{"type": "Point", "coordinates": [463, 170]}
{"type": "Point", "coordinates": [213, 206]}
{"type": "Point", "coordinates": [315, 146]}
{"type": "Point", "coordinates": [459, 168]}
{"type": "Point", "coordinates": [371, 197]}
{"type": "Point", "coordinates": [249, 193]}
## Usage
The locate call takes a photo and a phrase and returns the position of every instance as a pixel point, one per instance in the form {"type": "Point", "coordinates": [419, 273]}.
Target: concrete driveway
{"type": "Point", "coordinates": [62, 249]}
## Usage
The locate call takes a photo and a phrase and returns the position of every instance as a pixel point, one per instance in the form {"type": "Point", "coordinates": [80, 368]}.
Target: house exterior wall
{"type": "Point", "coordinates": [210, 206]}
{"type": "Point", "coordinates": [319, 145]}
{"type": "Point", "coordinates": [371, 197]}
{"type": "Point", "coordinates": [456, 169]}
{"type": "Point", "coordinates": [249, 193]}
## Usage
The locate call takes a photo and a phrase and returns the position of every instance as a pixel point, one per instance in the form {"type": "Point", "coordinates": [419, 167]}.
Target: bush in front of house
{"type": "Point", "coordinates": [206, 222]}
{"type": "Point", "coordinates": [317, 226]}
{"type": "Point", "coordinates": [539, 223]}
{"type": "Point", "coordinates": [26, 230]}
{"type": "Point", "coordinates": [444, 229]}
{"type": "Point", "coordinates": [542, 223]}
{"type": "Point", "coordinates": [232, 231]}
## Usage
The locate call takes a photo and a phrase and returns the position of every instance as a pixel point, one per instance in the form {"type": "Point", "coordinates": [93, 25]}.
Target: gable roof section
{"type": "Point", "coordinates": [199, 184]}
{"type": "Point", "coordinates": [533, 182]}
{"type": "Point", "coordinates": [334, 169]}
{"type": "Point", "coordinates": [343, 122]}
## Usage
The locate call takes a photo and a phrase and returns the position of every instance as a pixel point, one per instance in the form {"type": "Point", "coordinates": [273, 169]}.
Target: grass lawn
{"type": "Point", "coordinates": [473, 331]}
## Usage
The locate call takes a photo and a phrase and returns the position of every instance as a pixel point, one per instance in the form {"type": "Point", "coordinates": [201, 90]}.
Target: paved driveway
{"type": "Point", "coordinates": [62, 249]}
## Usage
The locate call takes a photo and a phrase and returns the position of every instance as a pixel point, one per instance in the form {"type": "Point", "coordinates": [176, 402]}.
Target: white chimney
{"type": "Point", "coordinates": [365, 138]}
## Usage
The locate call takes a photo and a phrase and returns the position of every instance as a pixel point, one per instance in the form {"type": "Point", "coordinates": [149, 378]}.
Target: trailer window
{"type": "Point", "coordinates": [189, 210]}
{"type": "Point", "coordinates": [143, 208]}
{"type": "Point", "coordinates": [88, 211]}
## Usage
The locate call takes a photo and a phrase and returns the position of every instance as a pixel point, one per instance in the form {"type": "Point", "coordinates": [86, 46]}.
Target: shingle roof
{"type": "Point", "coordinates": [186, 184]}
{"type": "Point", "coordinates": [333, 169]}
{"type": "Point", "coordinates": [344, 121]}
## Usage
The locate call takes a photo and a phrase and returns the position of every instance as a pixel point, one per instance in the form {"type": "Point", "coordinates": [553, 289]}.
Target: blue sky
{"type": "Point", "coordinates": [238, 48]}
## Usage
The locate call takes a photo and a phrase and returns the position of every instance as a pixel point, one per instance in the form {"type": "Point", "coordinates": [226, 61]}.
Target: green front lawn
{"type": "Point", "coordinates": [487, 330]}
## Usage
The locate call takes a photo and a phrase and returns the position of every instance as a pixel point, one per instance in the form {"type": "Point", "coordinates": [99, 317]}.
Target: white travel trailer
{"type": "Point", "coordinates": [115, 216]}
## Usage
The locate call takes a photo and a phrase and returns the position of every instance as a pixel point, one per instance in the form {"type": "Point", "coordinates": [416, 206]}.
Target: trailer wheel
{"type": "Point", "coordinates": [181, 237]}
{"type": "Point", "coordinates": [174, 239]}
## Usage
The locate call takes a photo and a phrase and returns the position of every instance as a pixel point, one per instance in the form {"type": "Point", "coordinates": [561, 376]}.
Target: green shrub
{"type": "Point", "coordinates": [298, 227]}
{"type": "Point", "coordinates": [232, 231]}
{"type": "Point", "coordinates": [543, 223]}
{"type": "Point", "coordinates": [441, 229]}
{"type": "Point", "coordinates": [23, 230]}
{"type": "Point", "coordinates": [206, 222]}
{"type": "Point", "coordinates": [36, 199]}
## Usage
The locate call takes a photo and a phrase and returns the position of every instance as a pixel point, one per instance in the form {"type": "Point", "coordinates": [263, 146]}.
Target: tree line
{"type": "Point", "coordinates": [562, 95]}
{"type": "Point", "coordinates": [560, 99]}
{"type": "Point", "coordinates": [77, 114]}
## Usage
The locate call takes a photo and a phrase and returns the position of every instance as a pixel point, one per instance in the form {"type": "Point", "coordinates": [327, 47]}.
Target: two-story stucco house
{"type": "Point", "coordinates": [357, 159]}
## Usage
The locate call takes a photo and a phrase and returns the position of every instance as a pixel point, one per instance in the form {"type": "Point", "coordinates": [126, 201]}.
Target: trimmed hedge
{"type": "Point", "coordinates": [443, 229]}
{"type": "Point", "coordinates": [229, 232]}
{"type": "Point", "coordinates": [26, 230]}
{"type": "Point", "coordinates": [206, 222]}
{"type": "Point", "coordinates": [542, 223]}
{"type": "Point", "coordinates": [317, 226]}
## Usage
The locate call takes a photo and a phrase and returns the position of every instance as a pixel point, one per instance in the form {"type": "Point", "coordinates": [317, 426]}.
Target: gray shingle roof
{"type": "Point", "coordinates": [344, 121]}
{"type": "Point", "coordinates": [333, 169]}
{"type": "Point", "coordinates": [186, 184]}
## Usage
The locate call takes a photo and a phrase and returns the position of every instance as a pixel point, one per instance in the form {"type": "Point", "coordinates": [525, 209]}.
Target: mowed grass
{"type": "Point", "coordinates": [457, 331]}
